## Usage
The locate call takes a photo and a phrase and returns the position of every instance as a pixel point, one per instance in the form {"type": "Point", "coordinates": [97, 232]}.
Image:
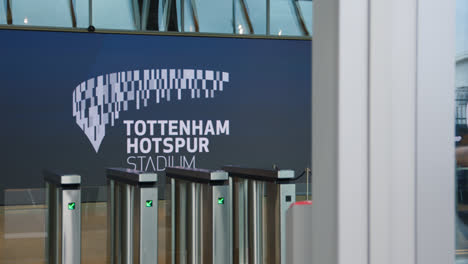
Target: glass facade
{"type": "Point", "coordinates": [461, 125]}
{"type": "Point", "coordinates": [245, 17]}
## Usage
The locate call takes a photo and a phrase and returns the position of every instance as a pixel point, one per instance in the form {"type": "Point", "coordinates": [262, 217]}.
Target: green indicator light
{"type": "Point", "coordinates": [221, 200]}
{"type": "Point", "coordinates": [71, 206]}
{"type": "Point", "coordinates": [149, 203]}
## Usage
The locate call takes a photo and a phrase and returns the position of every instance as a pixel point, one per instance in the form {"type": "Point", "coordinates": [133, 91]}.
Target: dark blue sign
{"type": "Point", "coordinates": [81, 102]}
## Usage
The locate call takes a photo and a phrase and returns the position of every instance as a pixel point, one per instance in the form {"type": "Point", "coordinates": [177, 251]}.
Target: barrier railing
{"type": "Point", "coordinates": [201, 216]}
{"type": "Point", "coordinates": [132, 217]}
{"type": "Point", "coordinates": [63, 218]}
{"type": "Point", "coordinates": [261, 199]}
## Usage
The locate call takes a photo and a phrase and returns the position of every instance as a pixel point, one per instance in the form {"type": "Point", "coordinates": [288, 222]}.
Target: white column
{"type": "Point", "coordinates": [383, 131]}
{"type": "Point", "coordinates": [393, 90]}
{"type": "Point", "coordinates": [339, 142]}
{"type": "Point", "coordinates": [435, 185]}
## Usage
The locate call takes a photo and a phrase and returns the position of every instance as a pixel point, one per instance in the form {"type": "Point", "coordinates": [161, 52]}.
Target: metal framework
{"type": "Point", "coordinates": [165, 14]}
{"type": "Point", "coordinates": [153, 33]}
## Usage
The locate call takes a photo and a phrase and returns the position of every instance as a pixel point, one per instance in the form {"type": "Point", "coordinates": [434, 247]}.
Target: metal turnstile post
{"type": "Point", "coordinates": [261, 199]}
{"type": "Point", "coordinates": [201, 216]}
{"type": "Point", "coordinates": [132, 217]}
{"type": "Point", "coordinates": [299, 233]}
{"type": "Point", "coordinates": [63, 218]}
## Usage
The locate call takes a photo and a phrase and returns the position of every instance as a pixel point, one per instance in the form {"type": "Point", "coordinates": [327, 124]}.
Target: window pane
{"type": "Point", "coordinates": [47, 13]}
{"type": "Point", "coordinates": [461, 86]}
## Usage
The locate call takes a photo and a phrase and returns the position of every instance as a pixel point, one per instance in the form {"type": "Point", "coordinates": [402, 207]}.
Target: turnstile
{"type": "Point", "coordinates": [63, 218]}
{"type": "Point", "coordinates": [260, 201]}
{"type": "Point", "coordinates": [132, 217]}
{"type": "Point", "coordinates": [201, 211]}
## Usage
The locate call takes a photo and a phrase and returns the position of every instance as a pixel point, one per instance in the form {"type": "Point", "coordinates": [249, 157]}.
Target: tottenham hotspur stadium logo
{"type": "Point", "coordinates": [98, 101]}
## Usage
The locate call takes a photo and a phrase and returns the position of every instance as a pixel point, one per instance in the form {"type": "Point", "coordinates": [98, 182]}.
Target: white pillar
{"type": "Point", "coordinates": [339, 131]}
{"type": "Point", "coordinates": [435, 153]}
{"type": "Point", "coordinates": [383, 131]}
